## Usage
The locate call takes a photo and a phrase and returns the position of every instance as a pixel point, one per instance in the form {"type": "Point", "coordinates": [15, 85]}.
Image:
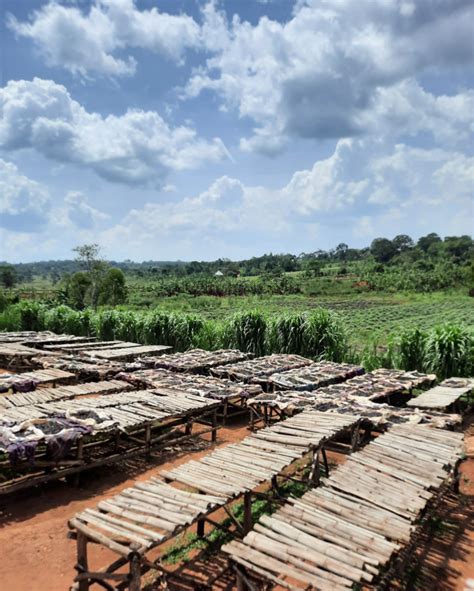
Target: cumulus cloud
{"type": "Point", "coordinates": [80, 213]}
{"type": "Point", "coordinates": [138, 147]}
{"type": "Point", "coordinates": [24, 203]}
{"type": "Point", "coordinates": [90, 42]}
{"type": "Point", "coordinates": [338, 69]}
{"type": "Point", "coordinates": [334, 69]}
{"type": "Point", "coordinates": [364, 187]}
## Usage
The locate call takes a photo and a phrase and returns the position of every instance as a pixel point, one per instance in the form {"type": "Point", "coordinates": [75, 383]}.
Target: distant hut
{"type": "Point", "coordinates": [218, 274]}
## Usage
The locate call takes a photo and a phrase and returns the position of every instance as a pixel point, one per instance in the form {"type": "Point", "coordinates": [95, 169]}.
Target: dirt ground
{"type": "Point", "coordinates": [33, 526]}
{"type": "Point", "coordinates": [35, 554]}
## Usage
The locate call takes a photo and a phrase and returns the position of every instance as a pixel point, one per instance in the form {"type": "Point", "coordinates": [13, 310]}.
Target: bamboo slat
{"type": "Point", "coordinates": [351, 526]}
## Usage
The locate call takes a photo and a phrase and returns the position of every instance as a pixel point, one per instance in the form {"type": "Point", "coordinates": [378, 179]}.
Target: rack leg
{"type": "Point", "coordinates": [214, 427]}
{"type": "Point", "coordinates": [82, 563]}
{"type": "Point", "coordinates": [325, 460]}
{"type": "Point", "coordinates": [200, 528]}
{"type": "Point", "coordinates": [135, 573]}
{"type": "Point", "coordinates": [247, 512]}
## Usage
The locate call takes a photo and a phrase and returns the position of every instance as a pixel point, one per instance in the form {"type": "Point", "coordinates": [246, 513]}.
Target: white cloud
{"type": "Point", "coordinates": [90, 42]}
{"type": "Point", "coordinates": [339, 69]}
{"type": "Point", "coordinates": [24, 203]}
{"type": "Point", "coordinates": [80, 213]}
{"type": "Point", "coordinates": [138, 147]}
{"type": "Point", "coordinates": [335, 69]}
{"type": "Point", "coordinates": [429, 176]}
{"type": "Point", "coordinates": [364, 188]}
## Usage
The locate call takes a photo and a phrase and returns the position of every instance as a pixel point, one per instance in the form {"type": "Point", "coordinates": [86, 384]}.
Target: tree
{"type": "Point", "coordinates": [8, 276]}
{"type": "Point", "coordinates": [382, 250]}
{"type": "Point", "coordinates": [341, 251]}
{"type": "Point", "coordinates": [113, 290]}
{"type": "Point", "coordinates": [403, 242]}
{"type": "Point", "coordinates": [88, 255]}
{"type": "Point", "coordinates": [313, 268]}
{"type": "Point", "coordinates": [426, 241]}
{"type": "Point", "coordinates": [459, 246]}
{"type": "Point", "coordinates": [78, 290]}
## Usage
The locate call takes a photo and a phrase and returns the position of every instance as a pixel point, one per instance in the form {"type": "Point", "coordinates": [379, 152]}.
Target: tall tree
{"type": "Point", "coordinates": [8, 276]}
{"type": "Point", "coordinates": [382, 250]}
{"type": "Point", "coordinates": [88, 255]}
{"type": "Point", "coordinates": [403, 242]}
{"type": "Point", "coordinates": [113, 290]}
{"type": "Point", "coordinates": [426, 241]}
{"type": "Point", "coordinates": [78, 290]}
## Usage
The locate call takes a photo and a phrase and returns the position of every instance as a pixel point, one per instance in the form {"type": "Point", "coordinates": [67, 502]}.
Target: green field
{"type": "Point", "coordinates": [367, 317]}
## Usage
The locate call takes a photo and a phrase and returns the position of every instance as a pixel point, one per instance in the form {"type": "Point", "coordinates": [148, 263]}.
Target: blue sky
{"type": "Point", "coordinates": [165, 129]}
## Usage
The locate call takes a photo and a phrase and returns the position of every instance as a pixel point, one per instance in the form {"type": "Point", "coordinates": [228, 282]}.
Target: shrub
{"type": "Point", "coordinates": [449, 351]}
{"type": "Point", "coordinates": [247, 331]}
{"type": "Point", "coordinates": [164, 328]}
{"type": "Point", "coordinates": [324, 335]}
{"type": "Point", "coordinates": [286, 334]}
{"type": "Point", "coordinates": [30, 315]}
{"type": "Point", "coordinates": [411, 349]}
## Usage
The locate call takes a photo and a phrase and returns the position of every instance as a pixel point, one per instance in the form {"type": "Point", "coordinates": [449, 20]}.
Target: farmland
{"type": "Point", "coordinates": [399, 318]}
{"type": "Point", "coordinates": [367, 317]}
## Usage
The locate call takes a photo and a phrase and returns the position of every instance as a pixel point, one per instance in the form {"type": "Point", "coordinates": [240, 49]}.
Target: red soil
{"type": "Point", "coordinates": [35, 553]}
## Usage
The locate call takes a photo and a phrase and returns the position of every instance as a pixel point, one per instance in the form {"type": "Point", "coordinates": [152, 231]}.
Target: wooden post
{"type": "Point", "coordinates": [135, 573]}
{"type": "Point", "coordinates": [247, 512]}
{"type": "Point", "coordinates": [224, 416]}
{"type": "Point", "coordinates": [147, 440]}
{"type": "Point", "coordinates": [82, 564]}
{"type": "Point", "coordinates": [241, 586]}
{"type": "Point", "coordinates": [315, 474]}
{"type": "Point", "coordinates": [367, 433]}
{"type": "Point", "coordinates": [456, 478]}
{"type": "Point", "coordinates": [325, 460]}
{"type": "Point", "coordinates": [355, 437]}
{"type": "Point", "coordinates": [274, 483]}
{"type": "Point", "coordinates": [189, 427]}
{"type": "Point", "coordinates": [200, 528]}
{"type": "Point", "coordinates": [214, 426]}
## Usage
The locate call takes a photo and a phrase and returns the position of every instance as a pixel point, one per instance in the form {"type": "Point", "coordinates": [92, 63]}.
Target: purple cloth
{"type": "Point", "coordinates": [59, 446]}
{"type": "Point", "coordinates": [21, 450]}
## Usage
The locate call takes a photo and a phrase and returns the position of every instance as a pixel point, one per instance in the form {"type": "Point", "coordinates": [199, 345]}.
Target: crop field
{"type": "Point", "coordinates": [366, 317]}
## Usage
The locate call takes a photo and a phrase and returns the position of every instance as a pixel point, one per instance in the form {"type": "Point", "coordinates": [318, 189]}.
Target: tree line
{"type": "Point", "coordinates": [428, 264]}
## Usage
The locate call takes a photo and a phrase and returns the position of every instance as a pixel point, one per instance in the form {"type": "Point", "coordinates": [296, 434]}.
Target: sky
{"type": "Point", "coordinates": [193, 130]}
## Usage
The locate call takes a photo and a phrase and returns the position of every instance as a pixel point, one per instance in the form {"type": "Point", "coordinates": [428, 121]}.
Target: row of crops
{"type": "Point", "coordinates": [219, 286]}
{"type": "Point", "coordinates": [321, 333]}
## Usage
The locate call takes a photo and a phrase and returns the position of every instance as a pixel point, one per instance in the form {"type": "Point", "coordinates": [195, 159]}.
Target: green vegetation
{"type": "Point", "coordinates": [393, 304]}
{"type": "Point", "coordinates": [399, 264]}
{"type": "Point", "coordinates": [186, 543]}
{"type": "Point", "coordinates": [446, 349]}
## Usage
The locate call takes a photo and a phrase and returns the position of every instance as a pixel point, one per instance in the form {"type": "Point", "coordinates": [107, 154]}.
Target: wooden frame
{"type": "Point", "coordinates": [135, 557]}
{"type": "Point", "coordinates": [371, 547]}
{"type": "Point", "coordinates": [117, 445]}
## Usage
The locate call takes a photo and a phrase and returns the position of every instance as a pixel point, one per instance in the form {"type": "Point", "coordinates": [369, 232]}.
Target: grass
{"type": "Point", "coordinates": [366, 316]}
{"type": "Point", "coordinates": [186, 543]}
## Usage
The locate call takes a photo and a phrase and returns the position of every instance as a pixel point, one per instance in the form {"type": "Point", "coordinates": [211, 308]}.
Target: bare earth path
{"type": "Point", "coordinates": [36, 556]}
{"type": "Point", "coordinates": [34, 552]}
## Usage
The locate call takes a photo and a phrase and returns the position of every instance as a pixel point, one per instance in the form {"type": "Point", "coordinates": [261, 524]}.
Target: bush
{"type": "Point", "coordinates": [324, 335]}
{"type": "Point", "coordinates": [178, 330]}
{"type": "Point", "coordinates": [411, 349]}
{"type": "Point", "coordinates": [247, 331]}
{"type": "Point", "coordinates": [286, 334]}
{"type": "Point", "coordinates": [62, 319]}
{"type": "Point", "coordinates": [30, 315]}
{"type": "Point", "coordinates": [449, 351]}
